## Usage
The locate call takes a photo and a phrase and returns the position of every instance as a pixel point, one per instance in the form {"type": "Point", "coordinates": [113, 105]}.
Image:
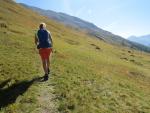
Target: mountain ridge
{"type": "Point", "coordinates": [88, 27]}
{"type": "Point", "coordinates": [88, 75]}
{"type": "Point", "coordinates": [145, 40]}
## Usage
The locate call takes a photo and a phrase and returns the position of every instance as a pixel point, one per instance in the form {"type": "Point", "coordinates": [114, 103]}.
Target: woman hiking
{"type": "Point", "coordinates": [44, 43]}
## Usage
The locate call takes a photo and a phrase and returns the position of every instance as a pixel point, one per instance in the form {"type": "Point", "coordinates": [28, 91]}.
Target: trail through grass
{"type": "Point", "coordinates": [88, 75]}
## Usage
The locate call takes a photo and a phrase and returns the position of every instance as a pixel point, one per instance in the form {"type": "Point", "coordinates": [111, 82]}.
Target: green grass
{"type": "Point", "coordinates": [92, 81]}
{"type": "Point", "coordinates": [88, 75]}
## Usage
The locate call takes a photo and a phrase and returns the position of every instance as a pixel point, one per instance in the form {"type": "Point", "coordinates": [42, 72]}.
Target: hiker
{"type": "Point", "coordinates": [44, 43]}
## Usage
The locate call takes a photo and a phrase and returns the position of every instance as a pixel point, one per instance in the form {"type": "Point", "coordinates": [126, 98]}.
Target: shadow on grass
{"type": "Point", "coordinates": [9, 95]}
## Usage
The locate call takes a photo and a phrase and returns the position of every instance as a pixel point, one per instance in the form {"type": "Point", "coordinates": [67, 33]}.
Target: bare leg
{"type": "Point", "coordinates": [49, 61]}
{"type": "Point", "coordinates": [45, 66]}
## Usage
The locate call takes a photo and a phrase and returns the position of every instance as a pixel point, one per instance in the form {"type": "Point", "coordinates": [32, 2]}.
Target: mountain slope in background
{"type": "Point", "coordinates": [145, 40]}
{"type": "Point", "coordinates": [87, 74]}
{"type": "Point", "coordinates": [90, 28]}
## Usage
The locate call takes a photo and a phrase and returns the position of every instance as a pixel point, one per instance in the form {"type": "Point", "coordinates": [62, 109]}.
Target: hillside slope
{"type": "Point", "coordinates": [90, 28]}
{"type": "Point", "coordinates": [88, 75]}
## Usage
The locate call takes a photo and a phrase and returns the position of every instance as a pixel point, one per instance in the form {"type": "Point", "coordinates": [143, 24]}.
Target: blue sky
{"type": "Point", "coordinates": [121, 17]}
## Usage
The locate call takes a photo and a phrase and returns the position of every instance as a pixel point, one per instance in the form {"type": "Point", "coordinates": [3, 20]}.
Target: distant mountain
{"type": "Point", "coordinates": [88, 75]}
{"type": "Point", "coordinates": [90, 28]}
{"type": "Point", "coordinates": [145, 40]}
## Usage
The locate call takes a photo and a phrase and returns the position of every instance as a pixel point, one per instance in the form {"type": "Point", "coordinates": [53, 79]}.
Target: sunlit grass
{"type": "Point", "coordinates": [89, 76]}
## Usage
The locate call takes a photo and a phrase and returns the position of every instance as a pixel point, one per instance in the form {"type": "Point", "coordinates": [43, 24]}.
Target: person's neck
{"type": "Point", "coordinates": [42, 29]}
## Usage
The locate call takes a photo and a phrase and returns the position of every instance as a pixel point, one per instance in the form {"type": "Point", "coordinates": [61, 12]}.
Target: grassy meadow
{"type": "Point", "coordinates": [88, 75]}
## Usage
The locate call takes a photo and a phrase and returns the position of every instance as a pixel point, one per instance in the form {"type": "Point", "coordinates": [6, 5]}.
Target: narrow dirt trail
{"type": "Point", "coordinates": [46, 98]}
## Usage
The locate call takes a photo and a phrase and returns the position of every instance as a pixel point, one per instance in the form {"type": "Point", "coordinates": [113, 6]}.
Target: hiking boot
{"type": "Point", "coordinates": [45, 77]}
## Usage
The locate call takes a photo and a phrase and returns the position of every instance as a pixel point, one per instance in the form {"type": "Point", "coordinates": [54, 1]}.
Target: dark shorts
{"type": "Point", "coordinates": [45, 53]}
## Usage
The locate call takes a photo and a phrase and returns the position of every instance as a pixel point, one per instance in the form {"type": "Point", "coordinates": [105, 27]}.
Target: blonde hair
{"type": "Point", "coordinates": [42, 25]}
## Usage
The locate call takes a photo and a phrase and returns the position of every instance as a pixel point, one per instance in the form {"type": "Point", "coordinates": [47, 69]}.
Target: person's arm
{"type": "Point", "coordinates": [36, 40]}
{"type": "Point", "coordinates": [50, 37]}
